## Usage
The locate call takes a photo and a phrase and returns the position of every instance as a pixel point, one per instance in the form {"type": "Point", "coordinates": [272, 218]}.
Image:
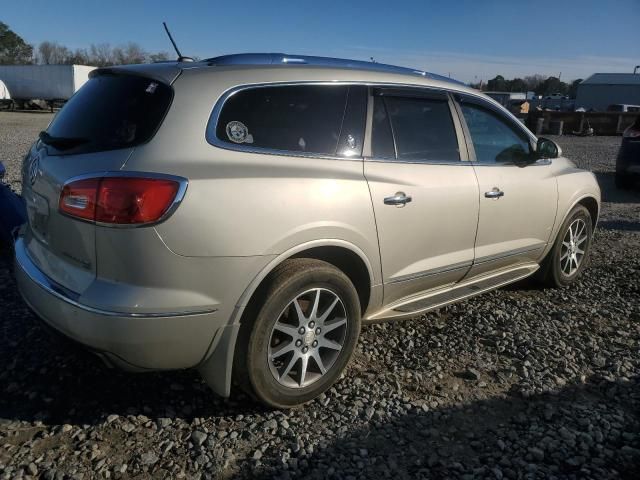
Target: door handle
{"type": "Point", "coordinates": [400, 198]}
{"type": "Point", "coordinates": [495, 193]}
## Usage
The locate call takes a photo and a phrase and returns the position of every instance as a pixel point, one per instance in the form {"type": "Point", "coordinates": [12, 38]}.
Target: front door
{"type": "Point", "coordinates": [424, 192]}
{"type": "Point", "coordinates": [518, 198]}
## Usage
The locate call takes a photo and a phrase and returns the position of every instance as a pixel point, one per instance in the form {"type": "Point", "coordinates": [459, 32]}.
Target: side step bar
{"type": "Point", "coordinates": [417, 304]}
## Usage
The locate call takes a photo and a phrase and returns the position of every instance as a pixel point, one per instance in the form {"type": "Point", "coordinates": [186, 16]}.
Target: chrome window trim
{"type": "Point", "coordinates": [214, 116]}
{"type": "Point", "coordinates": [183, 183]}
{"type": "Point", "coordinates": [418, 162]}
{"type": "Point", "coordinates": [537, 163]}
{"type": "Point", "coordinates": [72, 298]}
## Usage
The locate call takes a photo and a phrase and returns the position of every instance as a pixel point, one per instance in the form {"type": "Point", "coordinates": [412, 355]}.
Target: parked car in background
{"type": "Point", "coordinates": [628, 160]}
{"type": "Point", "coordinates": [244, 215]}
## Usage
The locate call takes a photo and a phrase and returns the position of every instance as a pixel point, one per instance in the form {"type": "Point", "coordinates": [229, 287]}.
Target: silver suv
{"type": "Point", "coordinates": [244, 215]}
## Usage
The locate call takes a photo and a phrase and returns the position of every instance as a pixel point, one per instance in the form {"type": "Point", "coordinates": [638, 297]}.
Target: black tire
{"type": "Point", "coordinates": [252, 371]}
{"type": "Point", "coordinates": [551, 273]}
{"type": "Point", "coordinates": [623, 182]}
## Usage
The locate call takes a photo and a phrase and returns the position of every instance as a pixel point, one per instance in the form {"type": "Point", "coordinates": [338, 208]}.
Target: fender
{"type": "Point", "coordinates": [566, 204]}
{"type": "Point", "coordinates": [217, 364]}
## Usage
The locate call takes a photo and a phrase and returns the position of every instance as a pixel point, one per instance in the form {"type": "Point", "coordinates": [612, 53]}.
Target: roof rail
{"type": "Point", "coordinates": [285, 59]}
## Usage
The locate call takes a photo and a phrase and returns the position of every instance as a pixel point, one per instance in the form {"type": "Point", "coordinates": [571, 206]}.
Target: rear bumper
{"type": "Point", "coordinates": [132, 341]}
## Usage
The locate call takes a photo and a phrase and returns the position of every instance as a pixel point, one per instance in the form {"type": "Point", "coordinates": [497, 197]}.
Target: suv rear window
{"type": "Point", "coordinates": [109, 112]}
{"type": "Point", "coordinates": [298, 118]}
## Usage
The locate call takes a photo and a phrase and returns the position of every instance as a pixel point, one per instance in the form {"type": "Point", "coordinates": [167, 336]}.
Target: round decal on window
{"type": "Point", "coordinates": [237, 132]}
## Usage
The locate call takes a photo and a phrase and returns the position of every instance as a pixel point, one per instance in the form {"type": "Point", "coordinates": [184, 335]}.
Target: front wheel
{"type": "Point", "coordinates": [570, 252]}
{"type": "Point", "coordinates": [302, 336]}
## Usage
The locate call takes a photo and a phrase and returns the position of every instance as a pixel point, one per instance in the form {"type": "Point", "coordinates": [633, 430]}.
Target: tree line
{"type": "Point", "coordinates": [539, 84]}
{"type": "Point", "coordinates": [14, 50]}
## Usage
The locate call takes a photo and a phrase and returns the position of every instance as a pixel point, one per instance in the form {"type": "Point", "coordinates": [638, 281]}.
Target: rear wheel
{"type": "Point", "coordinates": [302, 336]}
{"type": "Point", "coordinates": [570, 251]}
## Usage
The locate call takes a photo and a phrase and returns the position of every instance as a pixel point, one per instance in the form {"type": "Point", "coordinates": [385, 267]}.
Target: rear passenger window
{"type": "Point", "coordinates": [422, 128]}
{"type": "Point", "coordinates": [300, 118]}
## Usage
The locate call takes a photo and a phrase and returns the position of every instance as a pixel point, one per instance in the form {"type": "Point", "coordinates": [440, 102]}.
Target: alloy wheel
{"type": "Point", "coordinates": [573, 247]}
{"type": "Point", "coordinates": [307, 338]}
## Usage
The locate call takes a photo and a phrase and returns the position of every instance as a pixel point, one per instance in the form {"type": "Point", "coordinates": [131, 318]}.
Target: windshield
{"type": "Point", "coordinates": [109, 112]}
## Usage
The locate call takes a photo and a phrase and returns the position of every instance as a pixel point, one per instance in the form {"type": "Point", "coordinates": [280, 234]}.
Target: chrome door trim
{"type": "Point", "coordinates": [433, 271]}
{"type": "Point", "coordinates": [509, 253]}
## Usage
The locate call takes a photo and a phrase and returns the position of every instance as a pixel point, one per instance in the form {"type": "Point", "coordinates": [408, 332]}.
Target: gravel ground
{"type": "Point", "coordinates": [517, 383]}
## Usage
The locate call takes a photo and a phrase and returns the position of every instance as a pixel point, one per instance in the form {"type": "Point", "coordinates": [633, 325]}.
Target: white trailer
{"type": "Point", "coordinates": [5, 96]}
{"type": "Point", "coordinates": [52, 83]}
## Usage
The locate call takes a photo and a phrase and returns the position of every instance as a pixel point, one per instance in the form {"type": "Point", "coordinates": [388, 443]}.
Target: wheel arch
{"type": "Point", "coordinates": [343, 255]}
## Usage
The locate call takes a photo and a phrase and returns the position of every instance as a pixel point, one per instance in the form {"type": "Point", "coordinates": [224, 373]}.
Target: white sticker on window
{"type": "Point", "coordinates": [238, 132]}
{"type": "Point", "coordinates": [152, 87]}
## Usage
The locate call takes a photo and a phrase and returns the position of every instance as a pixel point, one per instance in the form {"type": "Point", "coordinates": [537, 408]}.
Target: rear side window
{"type": "Point", "coordinates": [110, 112]}
{"type": "Point", "coordinates": [422, 129]}
{"type": "Point", "coordinates": [299, 118]}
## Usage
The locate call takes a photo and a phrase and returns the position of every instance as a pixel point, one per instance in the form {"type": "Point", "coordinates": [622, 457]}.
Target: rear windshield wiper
{"type": "Point", "coordinates": [61, 143]}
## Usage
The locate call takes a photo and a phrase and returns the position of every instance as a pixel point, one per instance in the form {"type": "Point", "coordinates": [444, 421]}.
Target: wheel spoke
{"type": "Point", "coordinates": [582, 227]}
{"type": "Point", "coordinates": [283, 349]}
{"type": "Point", "coordinates": [301, 318]}
{"type": "Point", "coordinates": [316, 302]}
{"type": "Point", "coordinates": [564, 256]}
{"type": "Point", "coordinates": [338, 322]}
{"type": "Point", "coordinates": [566, 244]}
{"type": "Point", "coordinates": [294, 358]}
{"type": "Point", "coordinates": [319, 362]}
{"type": "Point", "coordinates": [326, 343]}
{"type": "Point", "coordinates": [303, 369]}
{"type": "Point", "coordinates": [286, 329]}
{"type": "Point", "coordinates": [581, 252]}
{"type": "Point", "coordinates": [328, 311]}
{"type": "Point", "coordinates": [580, 241]}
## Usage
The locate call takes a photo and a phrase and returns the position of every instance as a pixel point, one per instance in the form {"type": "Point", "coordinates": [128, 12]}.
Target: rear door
{"type": "Point", "coordinates": [96, 131]}
{"type": "Point", "coordinates": [424, 192]}
{"type": "Point", "coordinates": [518, 199]}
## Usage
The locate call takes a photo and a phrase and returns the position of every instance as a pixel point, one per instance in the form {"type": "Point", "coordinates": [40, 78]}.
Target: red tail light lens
{"type": "Point", "coordinates": [119, 200]}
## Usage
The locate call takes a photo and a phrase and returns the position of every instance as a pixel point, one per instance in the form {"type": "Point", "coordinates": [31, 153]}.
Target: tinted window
{"type": "Point", "coordinates": [301, 118]}
{"type": "Point", "coordinates": [109, 112]}
{"type": "Point", "coordinates": [381, 138]}
{"type": "Point", "coordinates": [494, 140]}
{"type": "Point", "coordinates": [422, 129]}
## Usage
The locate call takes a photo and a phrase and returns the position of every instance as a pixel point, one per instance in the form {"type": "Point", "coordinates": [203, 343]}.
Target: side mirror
{"type": "Point", "coordinates": [547, 148]}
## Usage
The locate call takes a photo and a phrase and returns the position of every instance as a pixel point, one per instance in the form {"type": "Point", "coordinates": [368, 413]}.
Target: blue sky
{"type": "Point", "coordinates": [467, 39]}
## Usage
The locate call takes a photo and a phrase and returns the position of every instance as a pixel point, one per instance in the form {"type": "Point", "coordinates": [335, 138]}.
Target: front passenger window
{"type": "Point", "coordinates": [494, 141]}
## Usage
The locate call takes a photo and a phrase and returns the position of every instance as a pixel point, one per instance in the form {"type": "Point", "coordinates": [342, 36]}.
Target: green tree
{"type": "Point", "coordinates": [517, 85]}
{"type": "Point", "coordinates": [13, 49]}
{"type": "Point", "coordinates": [497, 84]}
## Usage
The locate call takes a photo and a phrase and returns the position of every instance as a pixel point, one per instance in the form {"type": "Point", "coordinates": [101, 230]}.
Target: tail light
{"type": "Point", "coordinates": [119, 200]}
{"type": "Point", "coordinates": [633, 131]}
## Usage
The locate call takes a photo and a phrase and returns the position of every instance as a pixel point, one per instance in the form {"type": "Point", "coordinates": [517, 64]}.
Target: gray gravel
{"type": "Point", "coordinates": [517, 383]}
